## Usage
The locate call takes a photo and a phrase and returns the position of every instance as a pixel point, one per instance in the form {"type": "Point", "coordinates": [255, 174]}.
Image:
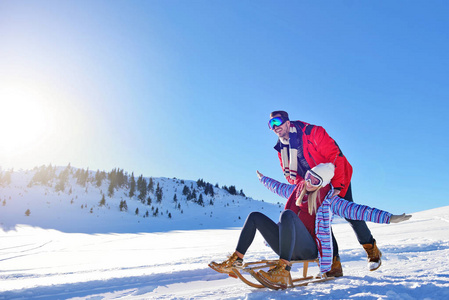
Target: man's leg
{"type": "Point", "coordinates": [360, 228]}
{"type": "Point", "coordinates": [365, 238]}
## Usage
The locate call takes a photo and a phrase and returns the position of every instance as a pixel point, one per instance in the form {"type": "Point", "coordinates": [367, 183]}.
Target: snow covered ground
{"type": "Point", "coordinates": [38, 263]}
{"type": "Point", "coordinates": [61, 251]}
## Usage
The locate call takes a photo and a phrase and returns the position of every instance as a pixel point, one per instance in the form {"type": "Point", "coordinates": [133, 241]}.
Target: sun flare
{"type": "Point", "coordinates": [23, 119]}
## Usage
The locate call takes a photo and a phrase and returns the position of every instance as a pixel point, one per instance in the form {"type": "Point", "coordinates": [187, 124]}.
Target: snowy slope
{"type": "Point", "coordinates": [38, 261]}
{"type": "Point", "coordinates": [77, 208]}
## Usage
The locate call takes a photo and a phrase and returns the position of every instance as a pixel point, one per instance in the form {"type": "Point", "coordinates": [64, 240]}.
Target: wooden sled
{"type": "Point", "coordinates": [251, 268]}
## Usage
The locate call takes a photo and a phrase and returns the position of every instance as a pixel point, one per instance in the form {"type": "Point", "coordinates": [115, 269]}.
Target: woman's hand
{"type": "Point", "coordinates": [399, 218]}
{"type": "Point", "coordinates": [260, 175]}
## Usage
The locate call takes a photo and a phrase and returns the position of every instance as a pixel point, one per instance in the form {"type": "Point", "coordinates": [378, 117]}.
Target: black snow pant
{"type": "Point", "coordinates": [289, 238]}
{"type": "Point", "coordinates": [360, 228]}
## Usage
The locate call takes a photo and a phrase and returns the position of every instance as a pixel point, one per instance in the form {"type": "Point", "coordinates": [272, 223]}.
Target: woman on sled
{"type": "Point", "coordinates": [304, 228]}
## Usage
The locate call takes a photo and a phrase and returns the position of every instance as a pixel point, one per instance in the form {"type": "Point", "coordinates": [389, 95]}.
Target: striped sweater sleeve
{"type": "Point", "coordinates": [281, 189]}
{"type": "Point", "coordinates": [353, 211]}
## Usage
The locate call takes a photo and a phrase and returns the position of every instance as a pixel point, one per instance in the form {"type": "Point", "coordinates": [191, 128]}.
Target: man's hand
{"type": "Point", "coordinates": [399, 218]}
{"type": "Point", "coordinates": [260, 175]}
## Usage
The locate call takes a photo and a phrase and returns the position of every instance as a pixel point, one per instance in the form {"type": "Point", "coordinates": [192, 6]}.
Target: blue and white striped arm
{"type": "Point", "coordinates": [282, 189]}
{"type": "Point", "coordinates": [354, 211]}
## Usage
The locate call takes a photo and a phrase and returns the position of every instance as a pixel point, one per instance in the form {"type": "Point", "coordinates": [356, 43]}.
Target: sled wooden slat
{"type": "Point", "coordinates": [250, 268]}
{"type": "Point", "coordinates": [242, 278]}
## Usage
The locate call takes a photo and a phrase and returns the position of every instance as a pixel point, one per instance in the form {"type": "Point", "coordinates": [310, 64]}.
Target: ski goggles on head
{"type": "Point", "coordinates": [313, 178]}
{"type": "Point", "coordinates": [276, 121]}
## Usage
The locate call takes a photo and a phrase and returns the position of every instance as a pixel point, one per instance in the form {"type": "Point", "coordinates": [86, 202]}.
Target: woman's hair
{"type": "Point", "coordinates": [326, 172]}
{"type": "Point", "coordinates": [311, 200]}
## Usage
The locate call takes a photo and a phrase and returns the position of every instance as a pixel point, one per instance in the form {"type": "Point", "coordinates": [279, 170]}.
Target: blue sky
{"type": "Point", "coordinates": [184, 89]}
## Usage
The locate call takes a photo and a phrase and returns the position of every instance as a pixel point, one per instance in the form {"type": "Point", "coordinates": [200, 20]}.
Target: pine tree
{"type": "Point", "coordinates": [158, 193]}
{"type": "Point", "coordinates": [142, 188]}
{"type": "Point", "coordinates": [43, 175]}
{"type": "Point", "coordinates": [5, 179]}
{"type": "Point", "coordinates": [211, 190]}
{"type": "Point", "coordinates": [111, 189]}
{"type": "Point", "coordinates": [82, 176]}
{"type": "Point", "coordinates": [60, 186]}
{"type": "Point", "coordinates": [123, 205]}
{"type": "Point", "coordinates": [112, 176]}
{"type": "Point", "coordinates": [200, 183]}
{"type": "Point", "coordinates": [99, 177]}
{"type": "Point", "coordinates": [151, 185]}
{"type": "Point", "coordinates": [63, 177]}
{"type": "Point", "coordinates": [186, 190]}
{"type": "Point", "coordinates": [132, 186]}
{"type": "Point", "coordinates": [232, 190]}
{"type": "Point", "coordinates": [121, 179]}
{"type": "Point", "coordinates": [103, 201]}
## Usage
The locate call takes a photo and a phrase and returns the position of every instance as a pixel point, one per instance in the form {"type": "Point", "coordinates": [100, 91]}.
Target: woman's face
{"type": "Point", "coordinates": [310, 188]}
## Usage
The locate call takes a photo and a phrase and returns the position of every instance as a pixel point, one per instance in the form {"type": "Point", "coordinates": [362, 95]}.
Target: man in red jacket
{"type": "Point", "coordinates": [302, 146]}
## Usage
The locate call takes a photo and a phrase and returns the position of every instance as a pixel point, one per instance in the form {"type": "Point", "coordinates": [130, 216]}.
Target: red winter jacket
{"type": "Point", "coordinates": [319, 147]}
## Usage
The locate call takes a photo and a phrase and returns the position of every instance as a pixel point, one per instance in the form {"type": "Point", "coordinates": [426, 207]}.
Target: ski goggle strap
{"type": "Point", "coordinates": [313, 178]}
{"type": "Point", "coordinates": [276, 121]}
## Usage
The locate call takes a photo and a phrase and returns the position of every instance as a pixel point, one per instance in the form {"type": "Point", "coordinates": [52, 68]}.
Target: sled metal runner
{"type": "Point", "coordinates": [252, 267]}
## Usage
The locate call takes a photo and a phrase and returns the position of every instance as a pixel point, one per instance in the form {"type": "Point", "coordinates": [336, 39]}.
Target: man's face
{"type": "Point", "coordinates": [283, 130]}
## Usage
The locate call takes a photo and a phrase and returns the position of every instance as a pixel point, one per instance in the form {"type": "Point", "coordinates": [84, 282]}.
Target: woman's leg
{"type": "Point", "coordinates": [295, 241]}
{"type": "Point", "coordinates": [268, 229]}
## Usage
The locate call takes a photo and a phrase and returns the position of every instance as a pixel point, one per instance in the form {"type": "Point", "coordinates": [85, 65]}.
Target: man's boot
{"type": "Point", "coordinates": [337, 270]}
{"type": "Point", "coordinates": [374, 256]}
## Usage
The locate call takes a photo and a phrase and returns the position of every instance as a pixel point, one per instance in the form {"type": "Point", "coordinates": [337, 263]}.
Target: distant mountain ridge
{"type": "Point", "coordinates": [77, 200]}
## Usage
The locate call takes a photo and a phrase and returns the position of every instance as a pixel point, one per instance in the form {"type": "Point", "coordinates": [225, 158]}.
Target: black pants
{"type": "Point", "coordinates": [360, 228]}
{"type": "Point", "coordinates": [289, 238]}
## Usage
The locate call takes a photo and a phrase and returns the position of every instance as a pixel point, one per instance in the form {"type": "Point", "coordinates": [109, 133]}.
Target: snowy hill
{"type": "Point", "coordinates": [70, 200]}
